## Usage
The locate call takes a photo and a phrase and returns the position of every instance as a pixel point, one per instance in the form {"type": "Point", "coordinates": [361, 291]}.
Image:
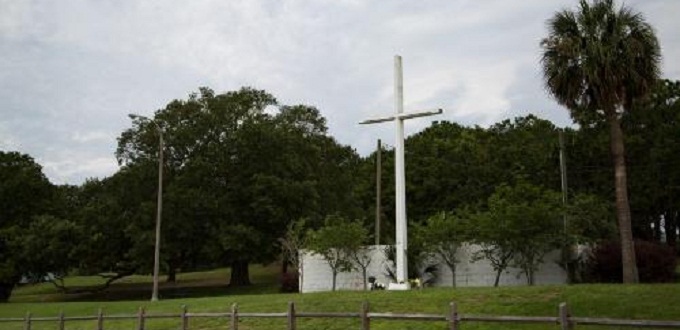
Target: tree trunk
{"type": "Point", "coordinates": [657, 230]}
{"type": "Point", "coordinates": [301, 277]}
{"type": "Point", "coordinates": [363, 273]}
{"type": "Point", "coordinates": [5, 291]}
{"type": "Point", "coordinates": [335, 276]}
{"type": "Point", "coordinates": [172, 275]}
{"type": "Point", "coordinates": [453, 275]}
{"type": "Point", "coordinates": [498, 277]}
{"type": "Point", "coordinates": [531, 280]}
{"type": "Point", "coordinates": [239, 273]}
{"type": "Point", "coordinates": [630, 274]}
{"type": "Point", "coordinates": [670, 228]}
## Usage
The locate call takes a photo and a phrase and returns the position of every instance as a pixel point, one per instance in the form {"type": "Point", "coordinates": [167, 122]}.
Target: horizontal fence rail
{"type": "Point", "coordinates": [452, 319]}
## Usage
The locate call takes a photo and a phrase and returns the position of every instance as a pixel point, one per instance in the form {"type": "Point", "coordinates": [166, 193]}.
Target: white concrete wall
{"type": "Point", "coordinates": [481, 273]}
{"type": "Point", "coordinates": [317, 275]}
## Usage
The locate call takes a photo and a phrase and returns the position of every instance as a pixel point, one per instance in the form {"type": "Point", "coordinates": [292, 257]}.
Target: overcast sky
{"type": "Point", "coordinates": [71, 71]}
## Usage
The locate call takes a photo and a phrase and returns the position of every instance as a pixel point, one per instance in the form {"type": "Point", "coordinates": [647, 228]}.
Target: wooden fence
{"type": "Point", "coordinates": [452, 319]}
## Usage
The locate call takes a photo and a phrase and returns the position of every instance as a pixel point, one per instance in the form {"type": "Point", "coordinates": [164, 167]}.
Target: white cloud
{"type": "Point", "coordinates": [63, 171]}
{"type": "Point", "coordinates": [85, 137]}
{"type": "Point", "coordinates": [7, 141]}
{"type": "Point", "coordinates": [71, 71]}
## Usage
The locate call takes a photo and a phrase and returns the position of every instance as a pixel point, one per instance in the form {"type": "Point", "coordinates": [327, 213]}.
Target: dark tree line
{"type": "Point", "coordinates": [237, 176]}
{"type": "Point", "coordinates": [450, 166]}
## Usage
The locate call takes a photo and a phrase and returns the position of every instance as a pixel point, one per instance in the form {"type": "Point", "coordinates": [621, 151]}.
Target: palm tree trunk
{"type": "Point", "coordinates": [630, 274]}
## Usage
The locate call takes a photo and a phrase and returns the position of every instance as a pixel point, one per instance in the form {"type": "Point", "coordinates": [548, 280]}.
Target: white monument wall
{"type": "Point", "coordinates": [481, 273]}
{"type": "Point", "coordinates": [318, 275]}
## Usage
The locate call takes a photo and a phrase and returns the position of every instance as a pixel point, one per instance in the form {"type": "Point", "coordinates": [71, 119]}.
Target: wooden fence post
{"type": "Point", "coordinates": [185, 319]}
{"type": "Point", "coordinates": [140, 318]}
{"type": "Point", "coordinates": [565, 324]}
{"type": "Point", "coordinates": [365, 321]}
{"type": "Point", "coordinates": [62, 322]}
{"type": "Point", "coordinates": [453, 316]}
{"type": "Point", "coordinates": [234, 316]}
{"type": "Point", "coordinates": [100, 319]}
{"type": "Point", "coordinates": [27, 321]}
{"type": "Point", "coordinates": [291, 315]}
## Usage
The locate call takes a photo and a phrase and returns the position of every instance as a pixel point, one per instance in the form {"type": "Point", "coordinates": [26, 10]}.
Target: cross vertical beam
{"type": "Point", "coordinates": [400, 175]}
{"type": "Point", "coordinates": [399, 170]}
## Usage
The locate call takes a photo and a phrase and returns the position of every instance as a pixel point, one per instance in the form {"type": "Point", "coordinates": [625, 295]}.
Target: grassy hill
{"type": "Point", "coordinates": [659, 301]}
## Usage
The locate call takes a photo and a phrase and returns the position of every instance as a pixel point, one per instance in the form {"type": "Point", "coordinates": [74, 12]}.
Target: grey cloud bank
{"type": "Point", "coordinates": [71, 71]}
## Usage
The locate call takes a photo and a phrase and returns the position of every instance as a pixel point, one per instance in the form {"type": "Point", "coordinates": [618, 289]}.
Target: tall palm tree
{"type": "Point", "coordinates": [596, 61]}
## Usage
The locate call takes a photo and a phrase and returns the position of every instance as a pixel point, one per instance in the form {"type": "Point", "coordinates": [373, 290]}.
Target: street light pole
{"type": "Point", "coordinates": [159, 206]}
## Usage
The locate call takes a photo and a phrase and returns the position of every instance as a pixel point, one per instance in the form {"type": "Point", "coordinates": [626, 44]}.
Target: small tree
{"type": "Point", "coordinates": [357, 250]}
{"type": "Point", "coordinates": [523, 223]}
{"type": "Point", "coordinates": [590, 221]}
{"type": "Point", "coordinates": [495, 246]}
{"type": "Point", "coordinates": [337, 241]}
{"type": "Point", "coordinates": [361, 258]}
{"type": "Point", "coordinates": [291, 243]}
{"type": "Point", "coordinates": [443, 235]}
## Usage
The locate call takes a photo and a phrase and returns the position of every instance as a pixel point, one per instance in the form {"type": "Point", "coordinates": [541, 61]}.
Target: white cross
{"type": "Point", "coordinates": [399, 174]}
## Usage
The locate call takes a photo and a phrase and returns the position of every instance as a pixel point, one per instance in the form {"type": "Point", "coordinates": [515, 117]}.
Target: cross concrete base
{"type": "Point", "coordinates": [398, 286]}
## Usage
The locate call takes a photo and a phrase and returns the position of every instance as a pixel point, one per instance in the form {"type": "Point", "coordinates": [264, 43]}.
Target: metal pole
{"type": "Point", "coordinates": [159, 204]}
{"type": "Point", "coordinates": [566, 250]}
{"type": "Point", "coordinates": [563, 173]}
{"type": "Point", "coordinates": [378, 183]}
{"type": "Point", "coordinates": [156, 257]}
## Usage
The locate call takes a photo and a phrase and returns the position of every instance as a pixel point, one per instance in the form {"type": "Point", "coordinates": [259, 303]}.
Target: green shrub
{"type": "Point", "coordinates": [656, 262]}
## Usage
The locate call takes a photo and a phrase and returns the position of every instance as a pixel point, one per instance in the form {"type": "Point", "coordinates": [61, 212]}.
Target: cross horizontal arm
{"type": "Point", "coordinates": [424, 113]}
{"type": "Point", "coordinates": [377, 120]}
{"type": "Point", "coordinates": [403, 116]}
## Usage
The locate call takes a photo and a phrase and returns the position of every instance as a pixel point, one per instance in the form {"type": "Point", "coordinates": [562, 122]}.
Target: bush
{"type": "Point", "coordinates": [656, 262]}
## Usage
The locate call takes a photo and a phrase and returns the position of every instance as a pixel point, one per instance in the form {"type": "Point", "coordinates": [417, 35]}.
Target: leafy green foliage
{"type": "Point", "coordinates": [444, 235]}
{"type": "Point", "coordinates": [580, 43]}
{"type": "Point", "coordinates": [339, 241]}
{"type": "Point", "coordinates": [25, 190]}
{"type": "Point", "coordinates": [652, 147]}
{"type": "Point", "coordinates": [238, 175]}
{"type": "Point", "coordinates": [589, 219]}
{"type": "Point", "coordinates": [45, 246]}
{"type": "Point", "coordinates": [522, 224]}
{"type": "Point", "coordinates": [25, 193]}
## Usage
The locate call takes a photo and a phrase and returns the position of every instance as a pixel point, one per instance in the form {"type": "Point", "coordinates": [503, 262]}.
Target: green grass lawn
{"type": "Point", "coordinates": [138, 287]}
{"type": "Point", "coordinates": [658, 301]}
